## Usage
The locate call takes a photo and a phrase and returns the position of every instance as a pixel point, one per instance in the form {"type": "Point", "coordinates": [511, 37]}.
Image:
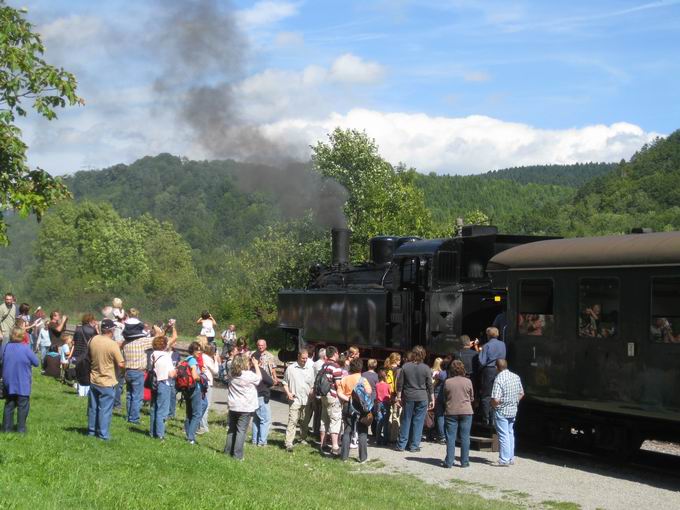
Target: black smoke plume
{"type": "Point", "coordinates": [202, 54]}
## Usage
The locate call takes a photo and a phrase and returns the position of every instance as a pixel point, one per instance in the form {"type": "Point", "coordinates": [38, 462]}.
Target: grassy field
{"type": "Point", "coordinates": [56, 466]}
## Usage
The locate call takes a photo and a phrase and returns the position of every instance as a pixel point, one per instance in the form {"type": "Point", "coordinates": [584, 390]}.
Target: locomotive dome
{"type": "Point", "coordinates": [661, 248]}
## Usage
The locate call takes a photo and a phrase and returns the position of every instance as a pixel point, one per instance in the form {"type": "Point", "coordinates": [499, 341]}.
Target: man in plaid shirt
{"type": "Point", "coordinates": [505, 396]}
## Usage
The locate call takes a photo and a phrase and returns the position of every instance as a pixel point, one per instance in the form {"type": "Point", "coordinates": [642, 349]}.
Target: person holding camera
{"type": "Point", "coordinates": [242, 400]}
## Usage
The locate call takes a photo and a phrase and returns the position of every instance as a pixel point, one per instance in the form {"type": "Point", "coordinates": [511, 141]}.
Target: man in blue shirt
{"type": "Point", "coordinates": [492, 350]}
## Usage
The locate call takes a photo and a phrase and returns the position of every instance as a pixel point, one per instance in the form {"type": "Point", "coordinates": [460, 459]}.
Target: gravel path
{"type": "Point", "coordinates": [533, 480]}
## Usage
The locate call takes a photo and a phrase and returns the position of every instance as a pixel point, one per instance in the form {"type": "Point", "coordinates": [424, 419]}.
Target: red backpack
{"type": "Point", "coordinates": [184, 380]}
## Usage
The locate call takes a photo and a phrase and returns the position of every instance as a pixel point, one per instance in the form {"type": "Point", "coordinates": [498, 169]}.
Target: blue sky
{"type": "Point", "coordinates": [447, 86]}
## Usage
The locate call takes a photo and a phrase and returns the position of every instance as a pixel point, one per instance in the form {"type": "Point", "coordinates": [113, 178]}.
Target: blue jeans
{"type": "Point", "coordinates": [194, 405]}
{"type": "Point", "coordinates": [206, 405]}
{"type": "Point", "coordinates": [262, 419]}
{"type": "Point", "coordinates": [99, 411]}
{"type": "Point", "coordinates": [454, 424]}
{"type": "Point", "coordinates": [412, 421]}
{"type": "Point", "coordinates": [43, 351]}
{"type": "Point", "coordinates": [118, 391]}
{"type": "Point", "coordinates": [21, 404]}
{"type": "Point", "coordinates": [382, 428]}
{"type": "Point", "coordinates": [505, 427]}
{"type": "Point", "coordinates": [134, 380]}
{"type": "Point", "coordinates": [160, 405]}
{"type": "Point", "coordinates": [173, 399]}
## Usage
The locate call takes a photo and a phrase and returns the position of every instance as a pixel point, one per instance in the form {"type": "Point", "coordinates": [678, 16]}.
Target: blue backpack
{"type": "Point", "coordinates": [362, 401]}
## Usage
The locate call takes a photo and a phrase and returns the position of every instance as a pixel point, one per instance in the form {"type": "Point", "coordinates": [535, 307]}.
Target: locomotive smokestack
{"type": "Point", "coordinates": [340, 246]}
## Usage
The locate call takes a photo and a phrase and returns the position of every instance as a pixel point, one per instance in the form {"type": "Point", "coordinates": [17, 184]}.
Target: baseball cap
{"type": "Point", "coordinates": [107, 324]}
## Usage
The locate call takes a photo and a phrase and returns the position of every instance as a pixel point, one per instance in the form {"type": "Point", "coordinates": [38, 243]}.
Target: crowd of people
{"type": "Point", "coordinates": [331, 397]}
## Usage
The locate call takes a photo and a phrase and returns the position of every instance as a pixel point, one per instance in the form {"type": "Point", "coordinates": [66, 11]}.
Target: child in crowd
{"type": "Point", "coordinates": [65, 353]}
{"type": "Point", "coordinates": [383, 407]}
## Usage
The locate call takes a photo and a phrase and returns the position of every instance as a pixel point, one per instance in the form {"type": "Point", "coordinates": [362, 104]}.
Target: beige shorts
{"type": "Point", "coordinates": [331, 414]}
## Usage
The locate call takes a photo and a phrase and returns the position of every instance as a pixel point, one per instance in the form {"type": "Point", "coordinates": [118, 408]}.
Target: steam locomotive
{"type": "Point", "coordinates": [593, 324]}
{"type": "Point", "coordinates": [411, 292]}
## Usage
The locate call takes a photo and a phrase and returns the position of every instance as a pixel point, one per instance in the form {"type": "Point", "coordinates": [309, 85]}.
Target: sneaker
{"type": "Point", "coordinates": [501, 464]}
{"type": "Point", "coordinates": [414, 450]}
{"type": "Point", "coordinates": [397, 449]}
{"type": "Point", "coordinates": [444, 465]}
{"type": "Point", "coordinates": [363, 461]}
{"type": "Point", "coordinates": [192, 442]}
{"type": "Point", "coordinates": [465, 465]}
{"type": "Point", "coordinates": [200, 432]}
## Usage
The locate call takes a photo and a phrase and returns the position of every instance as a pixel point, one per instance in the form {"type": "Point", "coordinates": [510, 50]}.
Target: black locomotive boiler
{"type": "Point", "coordinates": [411, 292]}
{"type": "Point", "coordinates": [594, 333]}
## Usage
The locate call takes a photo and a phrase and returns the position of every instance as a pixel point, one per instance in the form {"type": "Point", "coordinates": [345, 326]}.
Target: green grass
{"type": "Point", "coordinates": [56, 466]}
{"type": "Point", "coordinates": [560, 505]}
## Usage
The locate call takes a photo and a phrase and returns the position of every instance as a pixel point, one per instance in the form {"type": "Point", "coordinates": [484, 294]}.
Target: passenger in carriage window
{"type": "Point", "coordinates": [662, 331]}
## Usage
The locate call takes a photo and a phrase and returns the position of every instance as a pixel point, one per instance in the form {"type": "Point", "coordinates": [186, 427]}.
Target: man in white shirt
{"type": "Point", "coordinates": [298, 383]}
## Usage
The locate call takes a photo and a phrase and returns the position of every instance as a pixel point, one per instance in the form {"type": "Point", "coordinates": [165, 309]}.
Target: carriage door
{"type": "Point", "coordinates": [535, 332]}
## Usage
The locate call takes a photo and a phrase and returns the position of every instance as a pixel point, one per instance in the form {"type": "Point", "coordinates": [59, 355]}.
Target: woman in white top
{"type": "Point", "coordinates": [211, 361]}
{"type": "Point", "coordinates": [161, 361]}
{"type": "Point", "coordinates": [242, 400]}
{"type": "Point", "coordinates": [207, 326]}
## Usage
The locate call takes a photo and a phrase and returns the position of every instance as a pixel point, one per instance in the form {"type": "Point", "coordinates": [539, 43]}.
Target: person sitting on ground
{"type": "Point", "coordinates": [164, 369]}
{"type": "Point", "coordinates": [298, 383]}
{"type": "Point", "coordinates": [51, 364]}
{"type": "Point", "coordinates": [351, 419]}
{"type": "Point", "coordinates": [16, 379]}
{"type": "Point", "coordinates": [243, 402]}
{"type": "Point", "coordinates": [458, 397]}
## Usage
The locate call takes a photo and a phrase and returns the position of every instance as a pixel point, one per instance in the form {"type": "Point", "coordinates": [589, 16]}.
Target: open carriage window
{"type": "Point", "coordinates": [536, 317]}
{"type": "Point", "coordinates": [665, 320]}
{"type": "Point", "coordinates": [598, 307]}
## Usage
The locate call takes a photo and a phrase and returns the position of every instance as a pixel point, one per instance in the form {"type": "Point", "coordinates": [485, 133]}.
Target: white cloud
{"type": "Point", "coordinates": [265, 13]}
{"type": "Point", "coordinates": [289, 39]}
{"type": "Point", "coordinates": [72, 30]}
{"type": "Point", "coordinates": [468, 144]}
{"type": "Point", "coordinates": [349, 68]}
{"type": "Point", "coordinates": [476, 76]}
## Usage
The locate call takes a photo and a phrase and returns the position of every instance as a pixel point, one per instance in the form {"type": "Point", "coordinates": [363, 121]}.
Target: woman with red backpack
{"type": "Point", "coordinates": [187, 380]}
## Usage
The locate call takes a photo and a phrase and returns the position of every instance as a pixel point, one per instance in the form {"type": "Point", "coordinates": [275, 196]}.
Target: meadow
{"type": "Point", "coordinates": [55, 465]}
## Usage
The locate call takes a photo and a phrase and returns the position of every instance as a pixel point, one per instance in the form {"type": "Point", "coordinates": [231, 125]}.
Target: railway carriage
{"type": "Point", "coordinates": [594, 332]}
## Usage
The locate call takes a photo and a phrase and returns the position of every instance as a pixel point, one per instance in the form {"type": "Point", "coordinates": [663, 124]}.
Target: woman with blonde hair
{"type": "Point", "coordinates": [391, 373]}
{"type": "Point", "coordinates": [243, 402]}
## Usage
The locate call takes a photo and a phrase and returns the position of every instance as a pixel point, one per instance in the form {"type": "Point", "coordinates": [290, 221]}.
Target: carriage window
{"type": "Point", "coordinates": [535, 308]}
{"type": "Point", "coordinates": [665, 324]}
{"type": "Point", "coordinates": [598, 307]}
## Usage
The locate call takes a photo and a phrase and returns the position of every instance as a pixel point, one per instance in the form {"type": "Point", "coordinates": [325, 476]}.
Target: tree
{"type": "Point", "coordinates": [382, 199]}
{"type": "Point", "coordinates": [25, 76]}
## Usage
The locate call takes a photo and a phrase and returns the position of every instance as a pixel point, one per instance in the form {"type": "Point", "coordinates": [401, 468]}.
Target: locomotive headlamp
{"type": "Point", "coordinates": [497, 299]}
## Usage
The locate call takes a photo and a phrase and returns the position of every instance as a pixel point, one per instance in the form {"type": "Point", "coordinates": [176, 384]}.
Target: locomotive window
{"type": "Point", "coordinates": [447, 267]}
{"type": "Point", "coordinates": [598, 307]}
{"type": "Point", "coordinates": [535, 308]}
{"type": "Point", "coordinates": [409, 272]}
{"type": "Point", "coordinates": [665, 324]}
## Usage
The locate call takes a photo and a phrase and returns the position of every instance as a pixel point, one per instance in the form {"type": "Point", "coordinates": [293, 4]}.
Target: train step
{"type": "Point", "coordinates": [484, 444]}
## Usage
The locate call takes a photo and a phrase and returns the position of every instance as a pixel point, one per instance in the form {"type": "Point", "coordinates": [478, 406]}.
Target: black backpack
{"type": "Point", "coordinates": [322, 386]}
{"type": "Point", "coordinates": [83, 364]}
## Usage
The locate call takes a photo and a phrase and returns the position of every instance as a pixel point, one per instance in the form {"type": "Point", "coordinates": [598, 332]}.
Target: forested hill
{"type": "Point", "coordinates": [200, 198]}
{"type": "Point", "coordinates": [563, 175]}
